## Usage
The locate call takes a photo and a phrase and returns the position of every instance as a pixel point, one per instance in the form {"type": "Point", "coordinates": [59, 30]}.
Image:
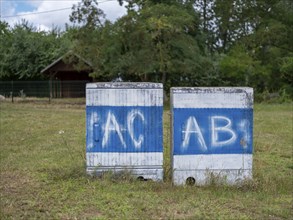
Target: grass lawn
{"type": "Point", "coordinates": [43, 172]}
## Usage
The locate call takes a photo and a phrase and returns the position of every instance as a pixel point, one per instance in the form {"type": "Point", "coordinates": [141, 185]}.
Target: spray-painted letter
{"type": "Point", "coordinates": [226, 129]}
{"type": "Point", "coordinates": [243, 126]}
{"type": "Point", "coordinates": [112, 126]}
{"type": "Point", "coordinates": [91, 132]}
{"type": "Point", "coordinates": [130, 120]}
{"type": "Point", "coordinates": [193, 128]}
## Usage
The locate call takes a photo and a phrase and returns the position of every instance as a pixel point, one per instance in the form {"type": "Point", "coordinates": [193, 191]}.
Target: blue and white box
{"type": "Point", "coordinates": [124, 128]}
{"type": "Point", "coordinates": [212, 134]}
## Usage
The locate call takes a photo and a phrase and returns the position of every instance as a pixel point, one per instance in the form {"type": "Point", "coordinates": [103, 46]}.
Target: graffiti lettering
{"type": "Point", "coordinates": [224, 129]}
{"type": "Point", "coordinates": [112, 127]}
{"type": "Point", "coordinates": [220, 126]}
{"type": "Point", "coordinates": [193, 128]}
{"type": "Point", "coordinates": [130, 126]}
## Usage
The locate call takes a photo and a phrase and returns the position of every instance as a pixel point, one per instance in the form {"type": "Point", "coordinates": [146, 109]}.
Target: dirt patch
{"type": "Point", "coordinates": [16, 189]}
{"type": "Point", "coordinates": [15, 183]}
{"type": "Point", "coordinates": [90, 213]}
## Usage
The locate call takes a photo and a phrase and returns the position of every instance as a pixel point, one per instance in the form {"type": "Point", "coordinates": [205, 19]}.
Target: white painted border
{"type": "Point", "coordinates": [212, 161]}
{"type": "Point", "coordinates": [124, 85]}
{"type": "Point", "coordinates": [155, 174]}
{"type": "Point", "coordinates": [213, 97]}
{"type": "Point", "coordinates": [124, 97]}
{"type": "Point", "coordinates": [107, 159]}
{"type": "Point", "coordinates": [204, 177]}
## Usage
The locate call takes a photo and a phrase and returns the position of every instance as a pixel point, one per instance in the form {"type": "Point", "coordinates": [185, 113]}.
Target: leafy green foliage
{"type": "Point", "coordinates": [87, 14]}
{"type": "Point", "coordinates": [5, 39]}
{"type": "Point", "coordinates": [263, 58]}
{"type": "Point", "coordinates": [26, 51]}
{"type": "Point", "coordinates": [159, 42]}
{"type": "Point", "coordinates": [240, 69]}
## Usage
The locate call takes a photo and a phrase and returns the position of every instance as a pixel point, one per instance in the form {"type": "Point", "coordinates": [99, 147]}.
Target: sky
{"type": "Point", "coordinates": [45, 14]}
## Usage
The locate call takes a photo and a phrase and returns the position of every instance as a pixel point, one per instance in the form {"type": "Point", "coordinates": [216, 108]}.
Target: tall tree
{"type": "Point", "coordinates": [86, 35]}
{"type": "Point", "coordinates": [6, 42]}
{"type": "Point", "coordinates": [267, 46]}
{"type": "Point", "coordinates": [156, 41]}
{"type": "Point", "coordinates": [159, 43]}
{"type": "Point", "coordinates": [25, 51]}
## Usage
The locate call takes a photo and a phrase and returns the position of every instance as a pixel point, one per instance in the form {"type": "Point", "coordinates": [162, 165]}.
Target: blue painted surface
{"type": "Point", "coordinates": [124, 129]}
{"type": "Point", "coordinates": [212, 131]}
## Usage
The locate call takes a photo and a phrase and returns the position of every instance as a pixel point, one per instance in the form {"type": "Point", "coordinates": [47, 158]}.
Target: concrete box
{"type": "Point", "coordinates": [212, 134]}
{"type": "Point", "coordinates": [124, 128]}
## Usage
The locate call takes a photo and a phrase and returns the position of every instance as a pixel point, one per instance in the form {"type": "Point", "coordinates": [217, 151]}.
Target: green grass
{"type": "Point", "coordinates": [43, 172]}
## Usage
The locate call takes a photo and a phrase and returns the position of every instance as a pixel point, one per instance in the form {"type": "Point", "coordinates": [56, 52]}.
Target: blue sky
{"type": "Point", "coordinates": [13, 11]}
{"type": "Point", "coordinates": [23, 6]}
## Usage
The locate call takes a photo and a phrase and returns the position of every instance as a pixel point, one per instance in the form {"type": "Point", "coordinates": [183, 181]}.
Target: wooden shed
{"type": "Point", "coordinates": [68, 76]}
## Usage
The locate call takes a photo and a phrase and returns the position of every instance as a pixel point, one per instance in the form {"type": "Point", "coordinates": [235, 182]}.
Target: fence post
{"type": "Point", "coordinates": [12, 91]}
{"type": "Point", "coordinates": [50, 90]}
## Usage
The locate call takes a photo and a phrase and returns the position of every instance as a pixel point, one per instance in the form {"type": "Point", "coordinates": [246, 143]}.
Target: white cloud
{"type": "Point", "coordinates": [45, 21]}
{"type": "Point", "coordinates": [112, 10]}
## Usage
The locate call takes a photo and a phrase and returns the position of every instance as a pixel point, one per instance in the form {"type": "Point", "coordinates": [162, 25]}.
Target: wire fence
{"type": "Point", "coordinates": [46, 91]}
